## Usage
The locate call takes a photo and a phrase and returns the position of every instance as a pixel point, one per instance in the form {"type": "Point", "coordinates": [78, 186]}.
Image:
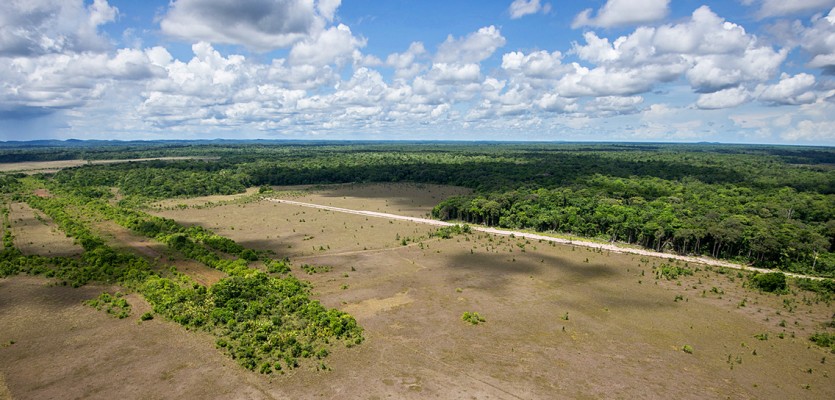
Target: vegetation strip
{"type": "Point", "coordinates": [266, 323]}
{"type": "Point", "coordinates": [527, 235]}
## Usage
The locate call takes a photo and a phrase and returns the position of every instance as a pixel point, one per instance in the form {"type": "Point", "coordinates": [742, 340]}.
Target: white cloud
{"type": "Point", "coordinates": [623, 12]}
{"type": "Point", "coordinates": [810, 131]}
{"type": "Point", "coordinates": [713, 54]}
{"type": "Point", "coordinates": [538, 64]}
{"type": "Point", "coordinates": [53, 82]}
{"type": "Point", "coordinates": [405, 64]}
{"type": "Point", "coordinates": [473, 48]}
{"type": "Point", "coordinates": [38, 27]}
{"type": "Point", "coordinates": [614, 105]}
{"type": "Point", "coordinates": [333, 46]}
{"type": "Point", "coordinates": [521, 8]}
{"type": "Point", "coordinates": [778, 8]}
{"type": "Point", "coordinates": [614, 81]}
{"type": "Point", "coordinates": [454, 73]}
{"type": "Point", "coordinates": [819, 41]}
{"type": "Point", "coordinates": [714, 72]}
{"type": "Point", "coordinates": [726, 98]}
{"type": "Point", "coordinates": [704, 33]}
{"type": "Point", "coordinates": [555, 103]}
{"type": "Point", "coordinates": [327, 8]}
{"type": "Point", "coordinates": [260, 25]}
{"type": "Point", "coordinates": [664, 122]}
{"type": "Point", "coordinates": [796, 89]}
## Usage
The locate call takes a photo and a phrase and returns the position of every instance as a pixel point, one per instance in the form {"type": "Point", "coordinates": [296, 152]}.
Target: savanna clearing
{"type": "Point", "coordinates": [554, 321]}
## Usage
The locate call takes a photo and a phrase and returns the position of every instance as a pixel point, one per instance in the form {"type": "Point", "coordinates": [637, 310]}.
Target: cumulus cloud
{"type": "Point", "coordinates": [726, 98]}
{"type": "Point", "coordinates": [333, 46]}
{"type": "Point", "coordinates": [818, 41]}
{"type": "Point", "coordinates": [793, 90]}
{"type": "Point", "coordinates": [623, 12]}
{"type": "Point", "coordinates": [538, 64]}
{"type": "Point", "coordinates": [473, 48]}
{"type": "Point", "coordinates": [713, 54]}
{"type": "Point", "coordinates": [406, 64]}
{"type": "Point", "coordinates": [60, 81]}
{"type": "Point", "coordinates": [614, 105]}
{"type": "Point", "coordinates": [521, 8]}
{"type": "Point", "coordinates": [38, 27]}
{"type": "Point", "coordinates": [778, 8]}
{"type": "Point", "coordinates": [260, 25]}
{"type": "Point", "coordinates": [454, 73]}
{"type": "Point", "coordinates": [810, 131]}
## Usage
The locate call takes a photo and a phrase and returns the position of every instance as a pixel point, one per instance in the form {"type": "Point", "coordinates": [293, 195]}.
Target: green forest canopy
{"type": "Point", "coordinates": [772, 206]}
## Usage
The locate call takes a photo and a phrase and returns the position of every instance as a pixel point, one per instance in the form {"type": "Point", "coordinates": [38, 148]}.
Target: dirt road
{"type": "Point", "coordinates": [533, 236]}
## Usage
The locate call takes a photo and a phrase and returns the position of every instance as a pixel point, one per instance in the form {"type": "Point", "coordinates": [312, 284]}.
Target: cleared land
{"type": "Point", "coordinates": [36, 234]}
{"type": "Point", "coordinates": [535, 236]}
{"type": "Point", "coordinates": [561, 321]}
{"type": "Point", "coordinates": [34, 167]}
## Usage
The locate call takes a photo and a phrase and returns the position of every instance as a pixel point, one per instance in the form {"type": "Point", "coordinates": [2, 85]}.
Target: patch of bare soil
{"type": "Point", "coordinates": [36, 234]}
{"type": "Point", "coordinates": [63, 349]}
{"type": "Point", "coordinates": [202, 201]}
{"type": "Point", "coordinates": [34, 167]}
{"type": "Point", "coordinates": [409, 199]}
{"type": "Point", "coordinates": [295, 231]}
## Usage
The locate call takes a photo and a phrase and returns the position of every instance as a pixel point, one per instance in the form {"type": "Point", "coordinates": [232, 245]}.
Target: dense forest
{"type": "Point", "coordinates": [771, 206]}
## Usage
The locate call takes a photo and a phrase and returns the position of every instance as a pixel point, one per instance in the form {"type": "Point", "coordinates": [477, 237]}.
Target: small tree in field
{"type": "Point", "coordinates": [770, 282]}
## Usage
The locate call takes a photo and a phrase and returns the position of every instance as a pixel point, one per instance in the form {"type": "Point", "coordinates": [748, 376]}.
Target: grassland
{"type": "Point", "coordinates": [560, 321]}
{"type": "Point", "coordinates": [36, 234]}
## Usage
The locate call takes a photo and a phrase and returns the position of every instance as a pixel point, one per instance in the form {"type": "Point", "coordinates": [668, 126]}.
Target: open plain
{"type": "Point", "coordinates": [559, 321]}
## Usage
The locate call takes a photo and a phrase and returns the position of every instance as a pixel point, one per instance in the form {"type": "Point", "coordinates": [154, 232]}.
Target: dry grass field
{"type": "Point", "coordinates": [560, 321]}
{"type": "Point", "coordinates": [36, 234]}
{"type": "Point", "coordinates": [34, 167]}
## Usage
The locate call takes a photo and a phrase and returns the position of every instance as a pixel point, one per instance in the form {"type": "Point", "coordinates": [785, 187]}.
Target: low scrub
{"type": "Point", "coordinates": [473, 318]}
{"type": "Point", "coordinates": [774, 282]}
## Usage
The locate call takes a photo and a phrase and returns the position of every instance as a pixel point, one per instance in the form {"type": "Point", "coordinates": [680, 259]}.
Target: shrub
{"type": "Point", "coordinates": [770, 282]}
{"type": "Point", "coordinates": [824, 339]}
{"type": "Point", "coordinates": [473, 318]}
{"type": "Point", "coordinates": [687, 349]}
{"type": "Point", "coordinates": [673, 271]}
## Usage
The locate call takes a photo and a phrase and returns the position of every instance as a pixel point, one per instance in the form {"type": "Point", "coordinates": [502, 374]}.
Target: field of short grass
{"type": "Point", "coordinates": [36, 233]}
{"type": "Point", "coordinates": [556, 321]}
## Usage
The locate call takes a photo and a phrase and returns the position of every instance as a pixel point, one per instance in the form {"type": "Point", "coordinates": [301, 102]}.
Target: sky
{"type": "Point", "coordinates": [731, 71]}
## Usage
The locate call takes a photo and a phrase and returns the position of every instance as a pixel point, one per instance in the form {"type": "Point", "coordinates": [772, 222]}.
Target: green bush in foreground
{"type": "Point", "coordinates": [473, 318]}
{"type": "Point", "coordinates": [114, 305]}
{"type": "Point", "coordinates": [824, 339]}
{"type": "Point", "coordinates": [770, 282]}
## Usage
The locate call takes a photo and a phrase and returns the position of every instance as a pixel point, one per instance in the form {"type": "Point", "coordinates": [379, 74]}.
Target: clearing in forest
{"type": "Point", "coordinates": [561, 321]}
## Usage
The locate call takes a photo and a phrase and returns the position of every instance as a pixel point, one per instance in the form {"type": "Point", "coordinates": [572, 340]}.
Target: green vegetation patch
{"type": "Point", "coordinates": [257, 319]}
{"type": "Point", "coordinates": [672, 271]}
{"type": "Point", "coordinates": [447, 232]}
{"type": "Point", "coordinates": [115, 305]}
{"type": "Point", "coordinates": [774, 282]}
{"type": "Point", "coordinates": [263, 322]}
{"type": "Point", "coordinates": [315, 269]}
{"type": "Point", "coordinates": [473, 318]}
{"type": "Point", "coordinates": [824, 339]}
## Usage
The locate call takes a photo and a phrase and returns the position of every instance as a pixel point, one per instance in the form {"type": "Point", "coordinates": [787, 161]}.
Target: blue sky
{"type": "Point", "coordinates": [735, 71]}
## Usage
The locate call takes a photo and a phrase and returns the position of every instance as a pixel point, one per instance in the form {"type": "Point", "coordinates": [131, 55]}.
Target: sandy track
{"type": "Point", "coordinates": [533, 236]}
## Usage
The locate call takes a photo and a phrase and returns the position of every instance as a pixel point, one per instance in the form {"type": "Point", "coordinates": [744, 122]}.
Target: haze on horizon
{"type": "Point", "coordinates": [740, 71]}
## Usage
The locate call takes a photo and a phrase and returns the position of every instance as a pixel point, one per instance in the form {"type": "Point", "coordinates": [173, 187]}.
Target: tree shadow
{"type": "Point", "coordinates": [494, 271]}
